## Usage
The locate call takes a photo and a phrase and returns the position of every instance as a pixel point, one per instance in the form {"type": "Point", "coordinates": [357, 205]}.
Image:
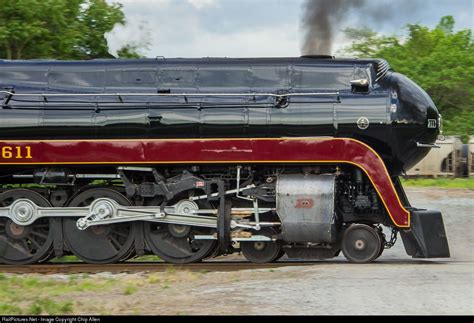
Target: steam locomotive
{"type": "Point", "coordinates": [188, 159]}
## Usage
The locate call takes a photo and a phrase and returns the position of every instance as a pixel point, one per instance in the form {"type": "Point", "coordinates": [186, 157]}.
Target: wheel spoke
{"type": "Point", "coordinates": [182, 245]}
{"type": "Point", "coordinates": [42, 226]}
{"type": "Point", "coordinates": [39, 234]}
{"type": "Point", "coordinates": [175, 246]}
{"type": "Point", "coordinates": [117, 245]}
{"type": "Point", "coordinates": [25, 246]}
{"type": "Point", "coordinates": [14, 247]}
{"type": "Point", "coordinates": [33, 241]}
{"type": "Point", "coordinates": [121, 234]}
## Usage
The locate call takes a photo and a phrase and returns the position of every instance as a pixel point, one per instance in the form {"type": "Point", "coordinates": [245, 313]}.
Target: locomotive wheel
{"type": "Point", "coordinates": [21, 245]}
{"type": "Point", "coordinates": [100, 244]}
{"type": "Point", "coordinates": [262, 251]}
{"type": "Point", "coordinates": [361, 243]}
{"type": "Point", "coordinates": [175, 243]}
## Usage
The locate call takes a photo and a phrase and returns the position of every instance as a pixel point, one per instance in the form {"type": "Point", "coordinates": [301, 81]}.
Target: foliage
{"type": "Point", "coordinates": [60, 29]}
{"type": "Point", "coordinates": [440, 60]}
{"type": "Point", "coordinates": [466, 183]}
{"type": "Point", "coordinates": [128, 51]}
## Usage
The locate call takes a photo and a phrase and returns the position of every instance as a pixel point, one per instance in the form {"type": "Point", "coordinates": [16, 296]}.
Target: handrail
{"type": "Point", "coordinates": [281, 99]}
{"type": "Point", "coordinates": [276, 95]}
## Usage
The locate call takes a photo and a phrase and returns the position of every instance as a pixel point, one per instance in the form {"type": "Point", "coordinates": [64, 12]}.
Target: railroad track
{"type": "Point", "coordinates": [72, 268]}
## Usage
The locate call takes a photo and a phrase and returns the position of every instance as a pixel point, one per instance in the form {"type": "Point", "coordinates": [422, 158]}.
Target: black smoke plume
{"type": "Point", "coordinates": [319, 19]}
{"type": "Point", "coordinates": [323, 19]}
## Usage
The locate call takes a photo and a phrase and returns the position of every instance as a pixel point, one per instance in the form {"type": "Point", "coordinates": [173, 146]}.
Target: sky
{"type": "Point", "coordinates": [259, 28]}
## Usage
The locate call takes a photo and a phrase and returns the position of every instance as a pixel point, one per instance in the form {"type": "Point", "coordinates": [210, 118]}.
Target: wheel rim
{"type": "Point", "coordinates": [176, 244]}
{"type": "Point", "coordinates": [382, 245]}
{"type": "Point", "coordinates": [262, 251]}
{"type": "Point", "coordinates": [21, 245]}
{"type": "Point", "coordinates": [361, 243]}
{"type": "Point", "coordinates": [99, 244]}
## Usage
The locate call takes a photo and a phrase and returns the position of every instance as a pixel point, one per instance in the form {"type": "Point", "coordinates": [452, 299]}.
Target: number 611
{"type": "Point", "coordinates": [17, 152]}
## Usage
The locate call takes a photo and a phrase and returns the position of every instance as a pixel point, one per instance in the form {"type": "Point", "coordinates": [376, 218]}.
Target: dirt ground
{"type": "Point", "coordinates": [394, 284]}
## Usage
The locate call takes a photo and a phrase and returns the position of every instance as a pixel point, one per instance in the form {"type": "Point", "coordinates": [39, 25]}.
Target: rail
{"type": "Point", "coordinates": [69, 268]}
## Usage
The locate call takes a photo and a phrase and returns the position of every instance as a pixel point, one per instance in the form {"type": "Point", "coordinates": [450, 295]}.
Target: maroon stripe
{"type": "Point", "coordinates": [282, 150]}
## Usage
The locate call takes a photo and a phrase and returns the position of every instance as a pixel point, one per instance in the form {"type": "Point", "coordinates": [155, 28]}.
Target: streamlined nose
{"type": "Point", "coordinates": [415, 107]}
{"type": "Point", "coordinates": [415, 121]}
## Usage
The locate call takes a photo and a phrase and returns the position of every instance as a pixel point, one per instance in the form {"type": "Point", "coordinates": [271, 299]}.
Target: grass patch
{"type": "Point", "coordinates": [466, 183]}
{"type": "Point", "coordinates": [154, 279]}
{"type": "Point", "coordinates": [66, 259]}
{"type": "Point", "coordinates": [129, 290]}
{"type": "Point", "coordinates": [8, 309]}
{"type": "Point", "coordinates": [49, 307]}
{"type": "Point", "coordinates": [147, 258]}
{"type": "Point", "coordinates": [32, 295]}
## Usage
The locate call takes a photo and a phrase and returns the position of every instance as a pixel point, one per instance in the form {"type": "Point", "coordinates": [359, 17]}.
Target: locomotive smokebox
{"type": "Point", "coordinates": [305, 205]}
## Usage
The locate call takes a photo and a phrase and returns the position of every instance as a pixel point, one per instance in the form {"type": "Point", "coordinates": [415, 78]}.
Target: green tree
{"type": "Point", "coordinates": [128, 51]}
{"type": "Point", "coordinates": [440, 60]}
{"type": "Point", "coordinates": [61, 29]}
{"type": "Point", "coordinates": [97, 19]}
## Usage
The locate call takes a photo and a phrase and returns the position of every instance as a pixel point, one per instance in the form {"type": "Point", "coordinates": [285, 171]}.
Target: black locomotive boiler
{"type": "Point", "coordinates": [192, 158]}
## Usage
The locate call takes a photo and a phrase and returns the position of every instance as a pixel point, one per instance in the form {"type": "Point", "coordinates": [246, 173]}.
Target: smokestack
{"type": "Point", "coordinates": [320, 18]}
